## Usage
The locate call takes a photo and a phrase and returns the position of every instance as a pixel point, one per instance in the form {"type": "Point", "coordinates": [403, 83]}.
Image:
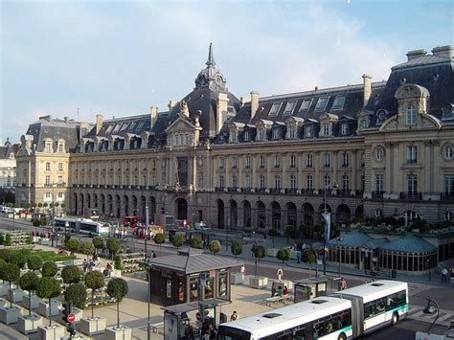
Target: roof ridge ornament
{"type": "Point", "coordinates": [210, 61]}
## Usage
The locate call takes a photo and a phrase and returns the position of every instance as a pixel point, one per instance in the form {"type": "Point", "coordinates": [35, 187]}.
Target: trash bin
{"type": "Point", "coordinates": [393, 273]}
{"type": "Point", "coordinates": [222, 318]}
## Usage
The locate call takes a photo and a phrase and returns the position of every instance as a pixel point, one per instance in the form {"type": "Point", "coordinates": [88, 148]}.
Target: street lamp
{"type": "Point", "coordinates": [428, 267]}
{"type": "Point", "coordinates": [148, 275]}
{"type": "Point", "coordinates": [326, 219]}
{"type": "Point", "coordinates": [432, 307]}
{"type": "Point", "coordinates": [339, 239]}
{"type": "Point", "coordinates": [66, 226]}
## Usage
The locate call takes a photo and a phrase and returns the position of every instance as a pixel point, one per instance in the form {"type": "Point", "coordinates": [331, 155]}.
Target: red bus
{"type": "Point", "coordinates": [130, 221]}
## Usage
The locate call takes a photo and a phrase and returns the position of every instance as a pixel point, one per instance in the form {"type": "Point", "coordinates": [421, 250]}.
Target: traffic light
{"type": "Point", "coordinates": [71, 329]}
{"type": "Point", "coordinates": [66, 311]}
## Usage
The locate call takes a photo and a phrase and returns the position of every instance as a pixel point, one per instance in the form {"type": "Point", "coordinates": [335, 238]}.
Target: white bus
{"type": "Point", "coordinates": [346, 314]}
{"type": "Point", "coordinates": [81, 226]}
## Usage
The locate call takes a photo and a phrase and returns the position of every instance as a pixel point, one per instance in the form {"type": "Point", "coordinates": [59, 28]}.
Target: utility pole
{"type": "Point", "coordinates": [146, 272]}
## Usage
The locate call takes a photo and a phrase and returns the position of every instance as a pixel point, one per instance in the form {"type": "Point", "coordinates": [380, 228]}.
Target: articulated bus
{"type": "Point", "coordinates": [346, 314]}
{"type": "Point", "coordinates": [81, 226]}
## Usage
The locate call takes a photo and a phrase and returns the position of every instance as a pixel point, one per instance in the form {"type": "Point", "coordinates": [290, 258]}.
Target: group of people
{"type": "Point", "coordinates": [279, 291]}
{"type": "Point", "coordinates": [446, 275]}
{"type": "Point", "coordinates": [90, 264]}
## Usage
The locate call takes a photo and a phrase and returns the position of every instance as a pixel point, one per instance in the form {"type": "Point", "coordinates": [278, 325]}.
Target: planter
{"type": "Point", "coordinates": [78, 313]}
{"type": "Point", "coordinates": [9, 315]}
{"type": "Point", "coordinates": [3, 303]}
{"type": "Point", "coordinates": [258, 282]}
{"type": "Point", "coordinates": [92, 326]}
{"type": "Point", "coordinates": [29, 324]}
{"type": "Point", "coordinates": [54, 332]}
{"type": "Point", "coordinates": [236, 278]}
{"type": "Point", "coordinates": [271, 252]}
{"type": "Point", "coordinates": [16, 295]}
{"type": "Point", "coordinates": [54, 309]}
{"type": "Point", "coordinates": [121, 333]}
{"type": "Point", "coordinates": [34, 301]}
{"type": "Point", "coordinates": [4, 288]}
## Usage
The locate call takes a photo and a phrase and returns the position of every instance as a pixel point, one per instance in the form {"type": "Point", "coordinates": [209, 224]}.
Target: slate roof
{"type": "Point", "coordinates": [411, 244]}
{"type": "Point", "coordinates": [8, 150]}
{"type": "Point", "coordinates": [194, 262]}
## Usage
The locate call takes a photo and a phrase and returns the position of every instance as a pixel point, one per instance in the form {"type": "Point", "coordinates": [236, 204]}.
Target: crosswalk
{"type": "Point", "coordinates": [444, 317]}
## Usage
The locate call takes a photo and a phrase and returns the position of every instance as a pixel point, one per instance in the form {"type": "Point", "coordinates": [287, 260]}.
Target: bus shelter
{"type": "Point", "coordinates": [312, 287]}
{"type": "Point", "coordinates": [191, 320]}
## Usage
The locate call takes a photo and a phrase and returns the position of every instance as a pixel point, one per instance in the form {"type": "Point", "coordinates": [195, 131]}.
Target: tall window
{"type": "Point", "coordinates": [247, 162]}
{"type": "Point", "coordinates": [277, 161]}
{"type": "Point", "coordinates": [326, 160]}
{"type": "Point", "coordinates": [309, 182]}
{"type": "Point", "coordinates": [326, 128]}
{"type": "Point", "coordinates": [221, 181]}
{"type": "Point", "coordinates": [234, 162]}
{"type": "Point", "coordinates": [262, 162]}
{"type": "Point", "coordinates": [60, 147]}
{"type": "Point", "coordinates": [293, 182]}
{"type": "Point", "coordinates": [247, 181]}
{"type": "Point", "coordinates": [60, 166]}
{"type": "Point", "coordinates": [262, 134]}
{"type": "Point", "coordinates": [309, 160]}
{"type": "Point", "coordinates": [47, 166]}
{"type": "Point", "coordinates": [448, 152]}
{"type": "Point", "coordinates": [47, 180]}
{"type": "Point", "coordinates": [293, 160]}
{"type": "Point", "coordinates": [412, 184]}
{"type": "Point", "coordinates": [326, 181]}
{"type": "Point", "coordinates": [262, 182]}
{"type": "Point", "coordinates": [221, 163]}
{"type": "Point", "coordinates": [234, 181]}
{"type": "Point", "coordinates": [412, 154]}
{"type": "Point", "coordinates": [411, 115]}
{"type": "Point", "coordinates": [48, 146]}
{"type": "Point", "coordinates": [289, 107]}
{"type": "Point", "coordinates": [277, 182]}
{"type": "Point", "coordinates": [247, 136]}
{"type": "Point", "coordinates": [344, 129]}
{"type": "Point", "coordinates": [345, 183]}
{"type": "Point", "coordinates": [291, 131]}
{"type": "Point", "coordinates": [345, 159]}
{"type": "Point", "coordinates": [276, 133]}
{"type": "Point", "coordinates": [308, 131]}
{"type": "Point", "coordinates": [449, 185]}
{"type": "Point", "coordinates": [379, 183]}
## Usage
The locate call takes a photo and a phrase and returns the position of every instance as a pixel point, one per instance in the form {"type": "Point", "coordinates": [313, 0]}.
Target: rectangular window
{"type": "Point", "coordinates": [289, 107]}
{"type": "Point", "coordinates": [247, 162]}
{"type": "Point", "coordinates": [221, 181]}
{"type": "Point", "coordinates": [247, 181]}
{"type": "Point", "coordinates": [310, 182]}
{"type": "Point", "coordinates": [345, 159]}
{"type": "Point", "coordinates": [262, 182]}
{"type": "Point", "coordinates": [276, 133]}
{"type": "Point", "coordinates": [277, 182]}
{"type": "Point", "coordinates": [326, 160]}
{"type": "Point", "coordinates": [321, 104]}
{"type": "Point", "coordinates": [449, 185]}
{"type": "Point", "coordinates": [308, 131]}
{"type": "Point", "coordinates": [277, 161]}
{"type": "Point", "coordinates": [60, 166]}
{"type": "Point", "coordinates": [275, 109]}
{"type": "Point", "coordinates": [47, 180]}
{"type": "Point", "coordinates": [293, 182]}
{"type": "Point", "coordinates": [234, 162]}
{"type": "Point", "coordinates": [309, 161]}
{"type": "Point", "coordinates": [344, 129]}
{"type": "Point", "coordinates": [234, 181]}
{"type": "Point", "coordinates": [339, 102]}
{"type": "Point", "coordinates": [412, 154]}
{"type": "Point", "coordinates": [379, 183]}
{"type": "Point", "coordinates": [412, 184]}
{"type": "Point", "coordinates": [305, 105]}
{"type": "Point", "coordinates": [293, 160]}
{"type": "Point", "coordinates": [292, 132]}
{"type": "Point", "coordinates": [326, 129]}
{"type": "Point", "coordinates": [221, 163]}
{"type": "Point", "coordinates": [262, 162]}
{"type": "Point", "coordinates": [247, 136]}
{"type": "Point", "coordinates": [47, 166]}
{"type": "Point", "coordinates": [345, 183]}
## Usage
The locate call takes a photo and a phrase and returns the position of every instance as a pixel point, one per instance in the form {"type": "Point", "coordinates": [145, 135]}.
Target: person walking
{"type": "Point", "coordinates": [234, 316]}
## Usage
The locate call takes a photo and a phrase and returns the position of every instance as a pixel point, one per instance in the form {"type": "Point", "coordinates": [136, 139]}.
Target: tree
{"type": "Point", "coordinates": [76, 293]}
{"type": "Point", "coordinates": [87, 248]}
{"type": "Point", "coordinates": [29, 281]}
{"type": "Point", "coordinates": [178, 240]}
{"type": "Point", "coordinates": [19, 259]}
{"type": "Point", "coordinates": [49, 269]}
{"type": "Point", "coordinates": [8, 240]}
{"type": "Point", "coordinates": [310, 257]}
{"type": "Point", "coordinates": [159, 239]}
{"type": "Point", "coordinates": [94, 280]}
{"type": "Point", "coordinates": [48, 288]}
{"type": "Point", "coordinates": [71, 274]}
{"type": "Point", "coordinates": [237, 247]}
{"type": "Point", "coordinates": [283, 254]}
{"type": "Point", "coordinates": [259, 253]}
{"type": "Point", "coordinates": [196, 242]}
{"type": "Point", "coordinates": [98, 243]}
{"type": "Point", "coordinates": [117, 288]}
{"type": "Point", "coordinates": [34, 262]}
{"type": "Point", "coordinates": [114, 247]}
{"type": "Point", "coordinates": [73, 245]}
{"type": "Point", "coordinates": [10, 272]}
{"type": "Point", "coordinates": [215, 246]}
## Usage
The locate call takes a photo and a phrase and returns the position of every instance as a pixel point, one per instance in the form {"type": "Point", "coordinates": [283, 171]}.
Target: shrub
{"type": "Point", "coordinates": [283, 254]}
{"type": "Point", "coordinates": [196, 242]}
{"type": "Point", "coordinates": [71, 274]}
{"type": "Point", "coordinates": [237, 247]}
{"type": "Point", "coordinates": [72, 245]}
{"type": "Point", "coordinates": [49, 269]}
{"type": "Point", "coordinates": [215, 246]}
{"type": "Point", "coordinates": [76, 293]}
{"type": "Point", "coordinates": [178, 240]}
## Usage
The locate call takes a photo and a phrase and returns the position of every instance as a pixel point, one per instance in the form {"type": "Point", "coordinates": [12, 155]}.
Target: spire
{"type": "Point", "coordinates": [210, 61]}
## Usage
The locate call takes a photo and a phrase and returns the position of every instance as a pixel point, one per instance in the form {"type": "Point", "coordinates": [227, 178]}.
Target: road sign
{"type": "Point", "coordinates": [71, 317]}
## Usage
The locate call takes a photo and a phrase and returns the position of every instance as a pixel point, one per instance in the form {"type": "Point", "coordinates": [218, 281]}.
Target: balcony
{"type": "Point", "coordinates": [377, 194]}
{"type": "Point", "coordinates": [414, 196]}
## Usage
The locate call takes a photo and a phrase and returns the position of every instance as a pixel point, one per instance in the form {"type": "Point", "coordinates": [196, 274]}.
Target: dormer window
{"type": "Point", "coordinates": [308, 131]}
{"type": "Point", "coordinates": [339, 102]}
{"type": "Point", "coordinates": [381, 116]}
{"type": "Point", "coordinates": [291, 131]}
{"type": "Point", "coordinates": [48, 146]}
{"type": "Point", "coordinates": [262, 134]}
{"type": "Point", "coordinates": [321, 104]}
{"type": "Point", "coordinates": [326, 127]}
{"type": "Point", "coordinates": [305, 105]}
{"type": "Point", "coordinates": [276, 133]}
{"type": "Point", "coordinates": [275, 109]}
{"type": "Point", "coordinates": [247, 136]}
{"type": "Point", "coordinates": [344, 129]}
{"type": "Point", "coordinates": [410, 115]}
{"type": "Point", "coordinates": [233, 136]}
{"type": "Point", "coordinates": [363, 123]}
{"type": "Point", "coordinates": [289, 107]}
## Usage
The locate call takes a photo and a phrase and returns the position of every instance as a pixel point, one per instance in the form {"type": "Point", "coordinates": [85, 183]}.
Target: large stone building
{"type": "Point", "coordinates": [8, 165]}
{"type": "Point", "coordinates": [372, 149]}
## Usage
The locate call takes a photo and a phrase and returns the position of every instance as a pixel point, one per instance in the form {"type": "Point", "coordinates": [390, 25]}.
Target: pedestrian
{"type": "Point", "coordinates": [285, 291]}
{"type": "Point", "coordinates": [273, 291]}
{"type": "Point", "coordinates": [234, 316]}
{"type": "Point", "coordinates": [153, 254]}
{"type": "Point", "coordinates": [342, 284]}
{"type": "Point", "coordinates": [444, 275]}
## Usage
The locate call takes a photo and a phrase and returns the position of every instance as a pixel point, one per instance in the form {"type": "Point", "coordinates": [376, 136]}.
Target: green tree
{"type": "Point", "coordinates": [73, 245]}
{"type": "Point", "coordinates": [178, 240]}
{"type": "Point", "coordinates": [117, 288]}
{"type": "Point", "coordinates": [2, 238]}
{"type": "Point", "coordinates": [76, 294]}
{"type": "Point", "coordinates": [159, 239]}
{"type": "Point", "coordinates": [87, 248]}
{"type": "Point", "coordinates": [196, 242]}
{"type": "Point", "coordinates": [71, 274]}
{"type": "Point", "coordinates": [6, 254]}
{"type": "Point", "coordinates": [98, 243]}
{"type": "Point", "coordinates": [10, 273]}
{"type": "Point", "coordinates": [310, 257]}
{"type": "Point", "coordinates": [94, 280]}
{"type": "Point", "coordinates": [49, 269]}
{"type": "Point", "coordinates": [259, 253]}
{"type": "Point", "coordinates": [283, 254]}
{"type": "Point", "coordinates": [237, 247]}
{"type": "Point", "coordinates": [18, 258]}
{"type": "Point", "coordinates": [29, 281]}
{"type": "Point", "coordinates": [48, 288]}
{"type": "Point", "coordinates": [215, 246]}
{"type": "Point", "coordinates": [114, 247]}
{"type": "Point", "coordinates": [8, 240]}
{"type": "Point", "coordinates": [34, 262]}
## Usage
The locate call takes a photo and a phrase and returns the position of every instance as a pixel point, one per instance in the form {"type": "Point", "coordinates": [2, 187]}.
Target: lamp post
{"type": "Point", "coordinates": [326, 219]}
{"type": "Point", "coordinates": [339, 239]}
{"type": "Point", "coordinates": [428, 268]}
{"type": "Point", "coordinates": [66, 227]}
{"type": "Point", "coordinates": [146, 269]}
{"type": "Point", "coordinates": [432, 307]}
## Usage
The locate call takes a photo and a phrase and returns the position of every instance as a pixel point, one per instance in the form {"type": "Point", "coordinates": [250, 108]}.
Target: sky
{"type": "Point", "coordinates": [77, 59]}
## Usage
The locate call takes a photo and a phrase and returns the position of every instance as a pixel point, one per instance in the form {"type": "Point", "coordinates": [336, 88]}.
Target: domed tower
{"type": "Point", "coordinates": [211, 77]}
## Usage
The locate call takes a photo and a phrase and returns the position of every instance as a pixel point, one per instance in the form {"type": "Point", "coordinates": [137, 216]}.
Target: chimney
{"type": "Point", "coordinates": [416, 54]}
{"type": "Point", "coordinates": [367, 88]}
{"type": "Point", "coordinates": [221, 112]}
{"type": "Point", "coordinates": [443, 51]}
{"type": "Point", "coordinates": [171, 104]}
{"type": "Point", "coordinates": [99, 122]}
{"type": "Point", "coordinates": [83, 130]}
{"type": "Point", "coordinates": [254, 103]}
{"type": "Point", "coordinates": [153, 115]}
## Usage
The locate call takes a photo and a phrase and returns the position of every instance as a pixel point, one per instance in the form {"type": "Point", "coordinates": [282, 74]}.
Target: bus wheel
{"type": "Point", "coordinates": [395, 318]}
{"type": "Point", "coordinates": [342, 336]}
